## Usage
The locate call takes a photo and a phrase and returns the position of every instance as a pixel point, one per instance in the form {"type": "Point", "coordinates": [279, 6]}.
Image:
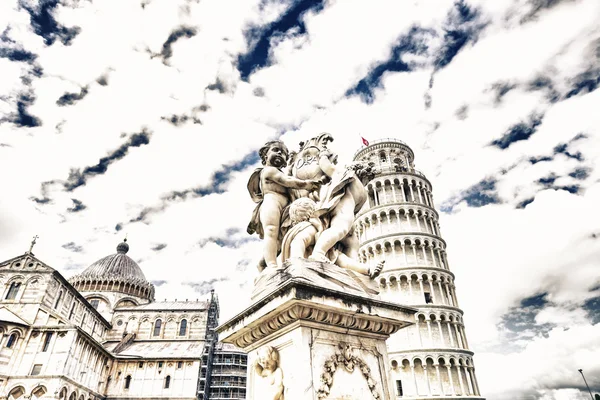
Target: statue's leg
{"type": "Point", "coordinates": [270, 217]}
{"type": "Point", "coordinates": [351, 245]}
{"type": "Point", "coordinates": [340, 225]}
{"type": "Point", "coordinates": [349, 263]}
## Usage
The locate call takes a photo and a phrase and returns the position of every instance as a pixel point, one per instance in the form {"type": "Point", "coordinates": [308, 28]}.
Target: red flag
{"type": "Point", "coordinates": [365, 141]}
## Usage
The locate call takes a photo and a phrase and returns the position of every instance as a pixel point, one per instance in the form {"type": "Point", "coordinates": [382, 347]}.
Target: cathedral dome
{"type": "Point", "coordinates": [115, 273]}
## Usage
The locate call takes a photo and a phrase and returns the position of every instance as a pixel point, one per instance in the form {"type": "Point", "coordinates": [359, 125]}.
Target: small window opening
{"type": "Point", "coordinates": [157, 326]}
{"type": "Point", "coordinates": [183, 327]}
{"type": "Point", "coordinates": [428, 299]}
{"type": "Point", "coordinates": [399, 388]}
{"type": "Point", "coordinates": [167, 382]}
{"type": "Point", "coordinates": [12, 291]}
{"type": "Point", "coordinates": [127, 381]}
{"type": "Point", "coordinates": [47, 341]}
{"type": "Point", "coordinates": [11, 340]}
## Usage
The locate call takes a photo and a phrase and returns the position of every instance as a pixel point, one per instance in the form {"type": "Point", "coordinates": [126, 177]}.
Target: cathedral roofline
{"type": "Point", "coordinates": [48, 269]}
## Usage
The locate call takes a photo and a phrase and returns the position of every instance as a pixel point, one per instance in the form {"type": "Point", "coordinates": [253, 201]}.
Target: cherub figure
{"type": "Point", "coordinates": [269, 187]}
{"type": "Point", "coordinates": [338, 201]}
{"type": "Point", "coordinates": [303, 234]}
{"type": "Point", "coordinates": [267, 367]}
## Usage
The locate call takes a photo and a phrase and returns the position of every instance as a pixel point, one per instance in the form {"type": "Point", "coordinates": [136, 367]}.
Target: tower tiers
{"type": "Point", "coordinates": [399, 224]}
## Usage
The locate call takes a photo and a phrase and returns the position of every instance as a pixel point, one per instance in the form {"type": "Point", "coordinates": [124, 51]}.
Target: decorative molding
{"type": "Point", "coordinates": [344, 357]}
{"type": "Point", "coordinates": [328, 316]}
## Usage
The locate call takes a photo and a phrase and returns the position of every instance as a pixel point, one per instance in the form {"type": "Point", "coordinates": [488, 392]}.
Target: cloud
{"type": "Point", "coordinates": [71, 246]}
{"type": "Point", "coordinates": [178, 34]}
{"type": "Point", "coordinates": [78, 178]}
{"type": "Point", "coordinates": [520, 131]}
{"type": "Point", "coordinates": [69, 99]}
{"type": "Point", "coordinates": [159, 247]}
{"type": "Point", "coordinates": [261, 38]}
{"type": "Point", "coordinates": [45, 24]}
{"type": "Point", "coordinates": [77, 206]}
{"type": "Point", "coordinates": [203, 287]}
{"type": "Point", "coordinates": [414, 43]}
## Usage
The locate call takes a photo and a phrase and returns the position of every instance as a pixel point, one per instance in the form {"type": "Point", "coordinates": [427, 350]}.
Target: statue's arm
{"type": "Point", "coordinates": [326, 165]}
{"type": "Point", "coordinates": [287, 181]}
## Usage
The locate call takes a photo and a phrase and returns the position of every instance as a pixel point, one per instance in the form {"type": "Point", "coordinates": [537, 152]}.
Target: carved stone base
{"type": "Point", "coordinates": [328, 330]}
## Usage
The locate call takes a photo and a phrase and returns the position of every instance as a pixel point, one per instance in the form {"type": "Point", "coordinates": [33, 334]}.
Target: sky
{"type": "Point", "coordinates": [143, 118]}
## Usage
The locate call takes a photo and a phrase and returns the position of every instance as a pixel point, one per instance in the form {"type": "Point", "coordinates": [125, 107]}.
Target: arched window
{"type": "Point", "coordinates": [13, 290]}
{"type": "Point", "coordinates": [127, 381]}
{"type": "Point", "coordinates": [57, 302]}
{"type": "Point", "coordinates": [157, 326]}
{"type": "Point", "coordinates": [11, 340]}
{"type": "Point", "coordinates": [167, 382]}
{"type": "Point", "coordinates": [183, 327]}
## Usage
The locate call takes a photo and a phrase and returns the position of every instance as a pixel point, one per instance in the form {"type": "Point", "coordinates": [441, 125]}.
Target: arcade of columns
{"type": "Point", "coordinates": [399, 224]}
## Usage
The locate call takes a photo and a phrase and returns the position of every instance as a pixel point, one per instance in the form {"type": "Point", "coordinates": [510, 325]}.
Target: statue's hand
{"type": "Point", "coordinates": [374, 273]}
{"type": "Point", "coordinates": [314, 184]}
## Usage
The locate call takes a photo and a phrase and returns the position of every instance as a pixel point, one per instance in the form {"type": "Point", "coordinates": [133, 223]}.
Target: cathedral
{"type": "Point", "coordinates": [101, 335]}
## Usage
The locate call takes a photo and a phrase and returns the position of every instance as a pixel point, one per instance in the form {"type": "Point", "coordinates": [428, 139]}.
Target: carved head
{"type": "Point", "coordinates": [267, 358]}
{"type": "Point", "coordinates": [302, 210]}
{"type": "Point", "coordinates": [274, 153]}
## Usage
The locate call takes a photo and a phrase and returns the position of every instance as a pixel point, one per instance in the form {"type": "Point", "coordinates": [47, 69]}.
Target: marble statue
{"type": "Point", "coordinates": [338, 201]}
{"type": "Point", "coordinates": [327, 197]}
{"type": "Point", "coordinates": [269, 188]}
{"type": "Point", "coordinates": [269, 373]}
{"type": "Point", "coordinates": [302, 236]}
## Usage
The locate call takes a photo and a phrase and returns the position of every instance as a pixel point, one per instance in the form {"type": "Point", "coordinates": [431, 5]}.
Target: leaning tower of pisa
{"type": "Point", "coordinates": [399, 224]}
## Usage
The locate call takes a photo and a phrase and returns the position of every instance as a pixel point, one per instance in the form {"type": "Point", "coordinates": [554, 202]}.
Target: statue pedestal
{"type": "Point", "coordinates": [329, 328]}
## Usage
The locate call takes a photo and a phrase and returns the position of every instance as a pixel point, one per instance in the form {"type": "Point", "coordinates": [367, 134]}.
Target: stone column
{"type": "Point", "coordinates": [439, 324]}
{"type": "Point", "coordinates": [474, 378]}
{"type": "Point", "coordinates": [432, 225]}
{"type": "Point", "coordinates": [460, 380]}
{"type": "Point", "coordinates": [403, 193]}
{"type": "Point", "coordinates": [439, 376]}
{"type": "Point", "coordinates": [418, 331]}
{"type": "Point", "coordinates": [451, 380]}
{"type": "Point", "coordinates": [433, 298]}
{"type": "Point", "coordinates": [404, 253]}
{"type": "Point", "coordinates": [412, 368]}
{"type": "Point", "coordinates": [418, 222]}
{"type": "Point", "coordinates": [428, 322]}
{"type": "Point", "coordinates": [394, 199]}
{"type": "Point", "coordinates": [412, 193]}
{"type": "Point", "coordinates": [420, 280]}
{"type": "Point", "coordinates": [441, 291]}
{"type": "Point", "coordinates": [448, 294]}
{"type": "Point", "coordinates": [435, 263]}
{"type": "Point", "coordinates": [458, 336]}
{"type": "Point", "coordinates": [427, 380]}
{"type": "Point", "coordinates": [414, 253]}
{"type": "Point", "coordinates": [443, 265]}
{"type": "Point", "coordinates": [470, 387]}
{"type": "Point", "coordinates": [450, 334]}
{"type": "Point", "coordinates": [464, 336]}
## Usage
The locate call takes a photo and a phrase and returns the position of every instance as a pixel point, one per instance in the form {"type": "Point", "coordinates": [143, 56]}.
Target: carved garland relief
{"type": "Point", "coordinates": [345, 358]}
